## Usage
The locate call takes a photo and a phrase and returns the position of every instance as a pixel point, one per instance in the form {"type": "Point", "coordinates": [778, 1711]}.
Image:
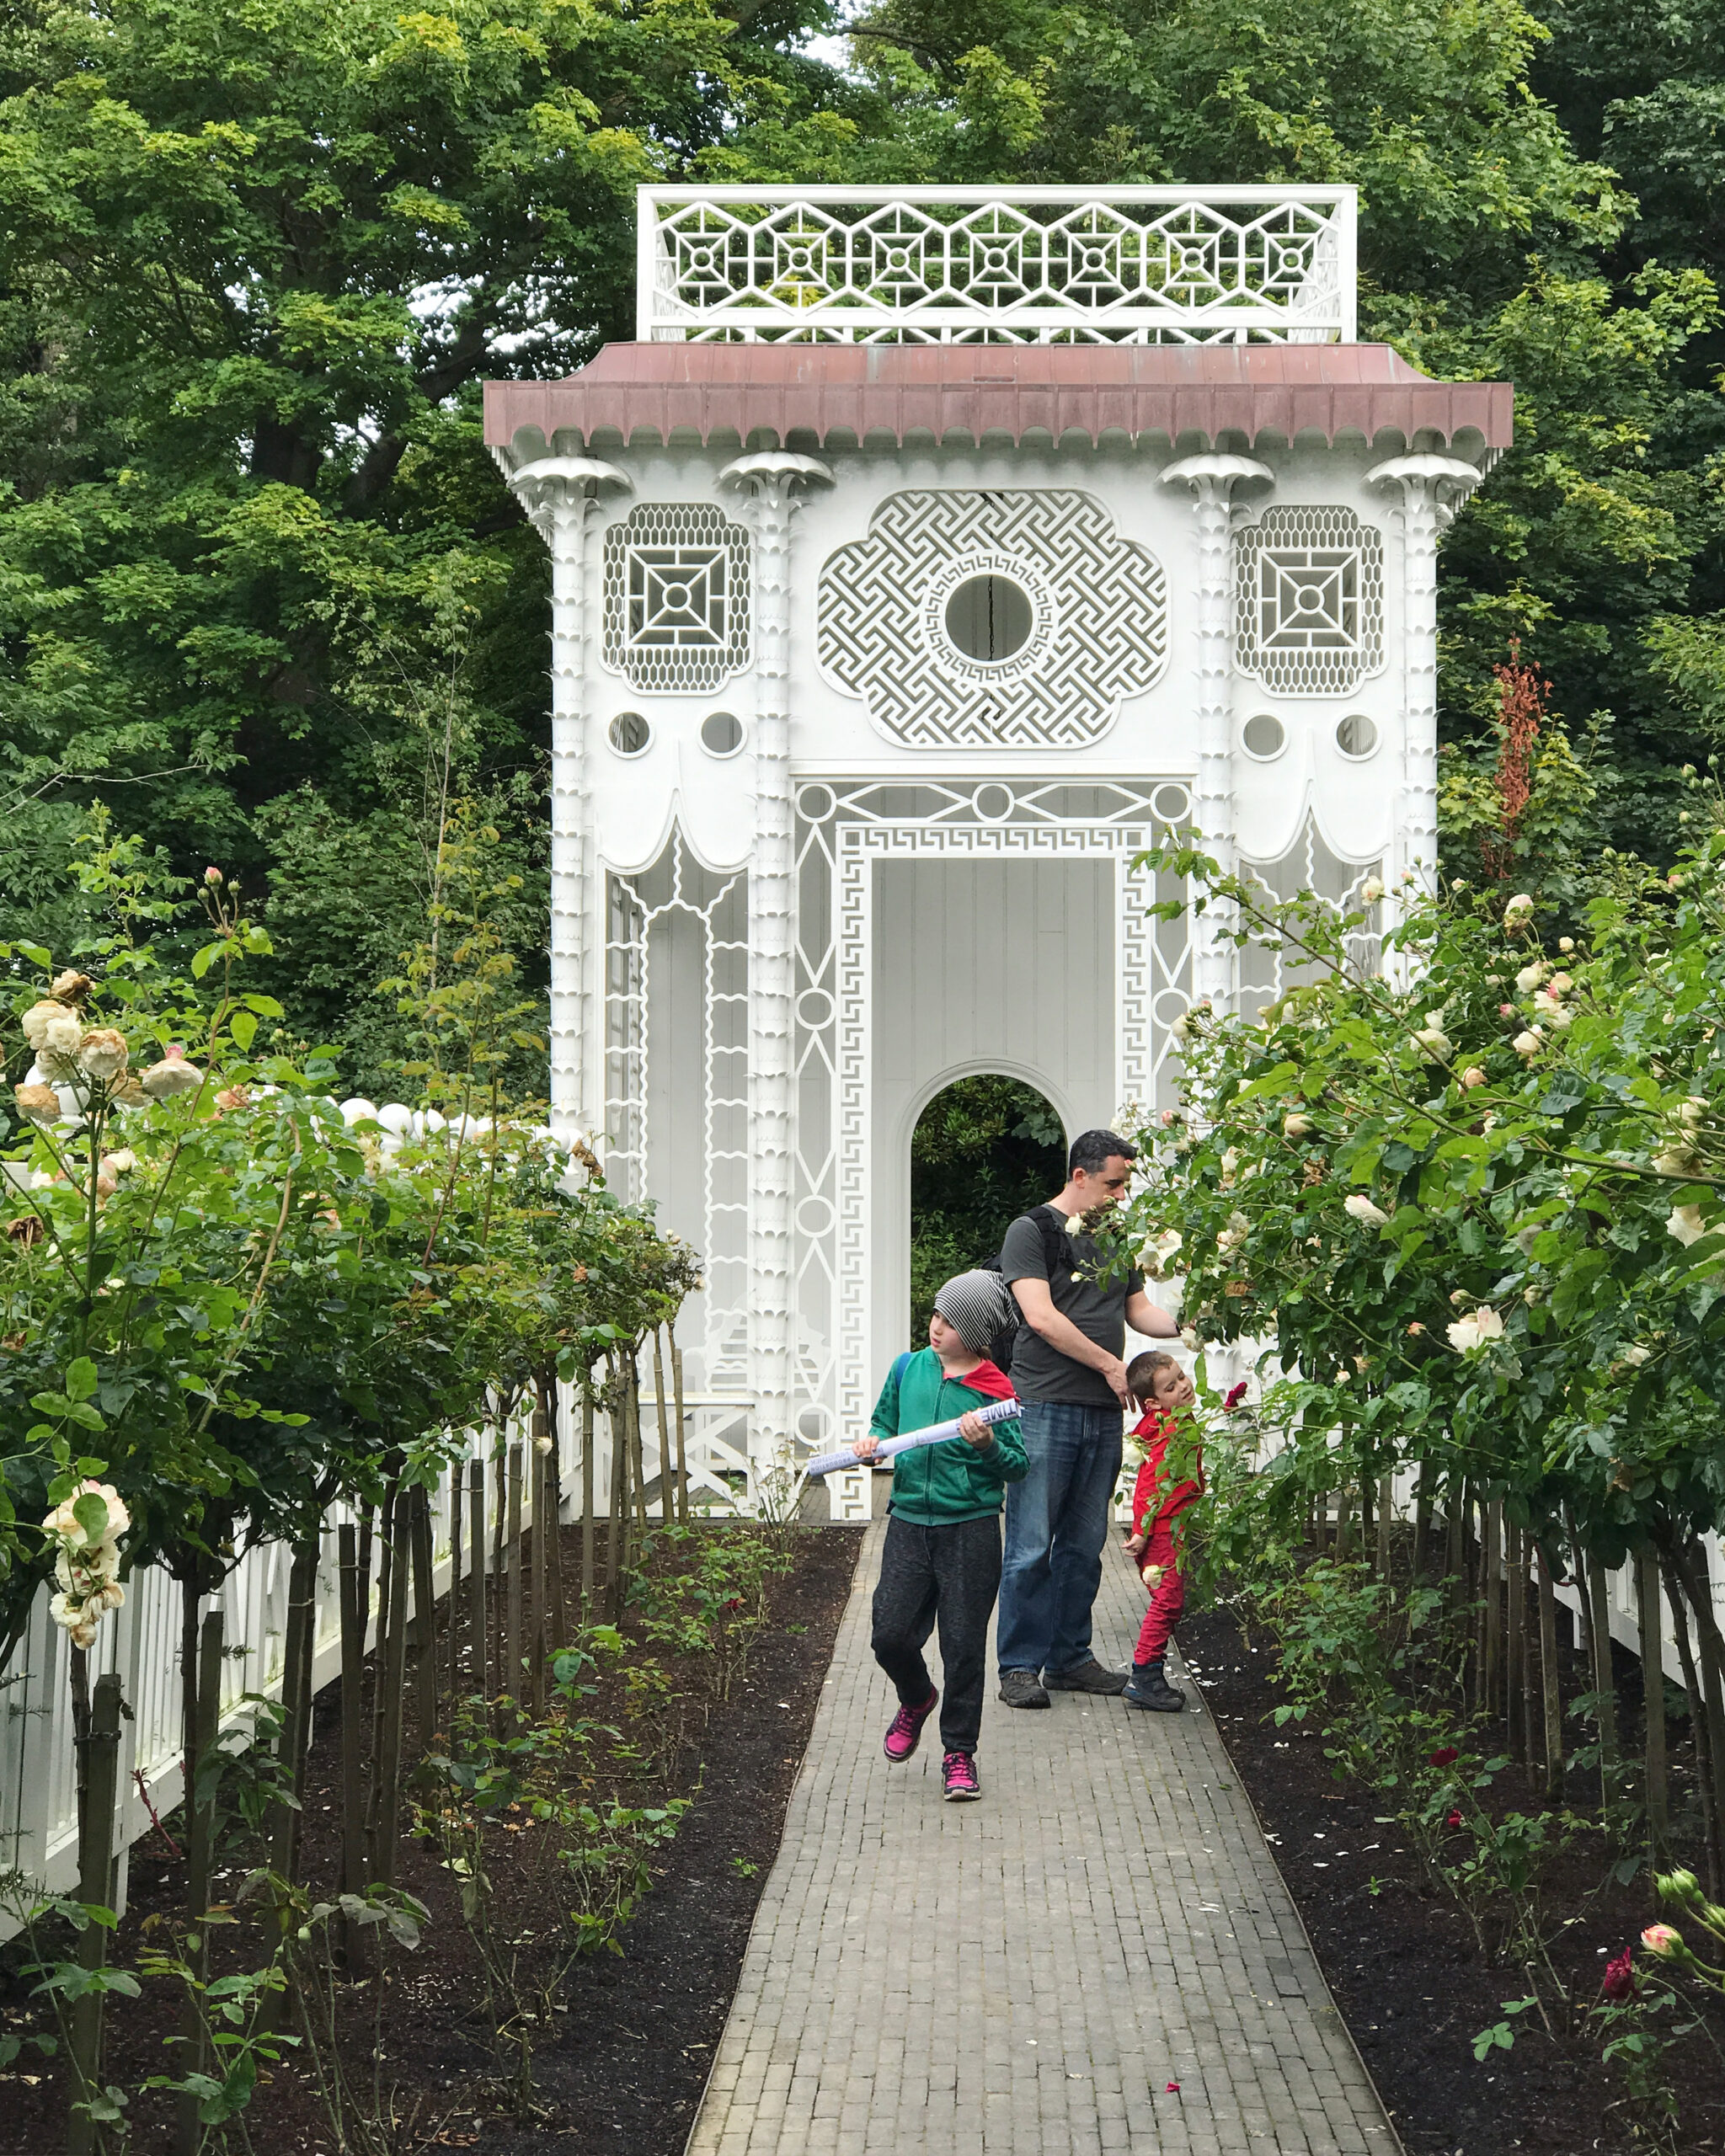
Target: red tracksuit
{"type": "Point", "coordinates": [1156, 1514]}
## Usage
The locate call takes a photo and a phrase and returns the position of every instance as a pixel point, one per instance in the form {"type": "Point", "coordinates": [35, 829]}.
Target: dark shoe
{"type": "Point", "coordinates": [1149, 1687]}
{"type": "Point", "coordinates": [904, 1732]}
{"type": "Point", "coordinates": [1022, 1688]}
{"type": "Point", "coordinates": [958, 1779]}
{"type": "Point", "coordinates": [1087, 1677]}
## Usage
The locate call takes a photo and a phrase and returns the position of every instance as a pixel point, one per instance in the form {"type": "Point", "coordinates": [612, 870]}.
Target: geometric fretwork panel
{"type": "Point", "coordinates": [1308, 866]}
{"type": "Point", "coordinates": [676, 598]}
{"type": "Point", "coordinates": [1092, 619]}
{"type": "Point", "coordinates": [1311, 601]}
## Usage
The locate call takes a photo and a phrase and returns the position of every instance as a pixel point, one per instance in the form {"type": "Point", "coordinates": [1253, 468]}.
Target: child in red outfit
{"type": "Point", "coordinates": [1156, 1543]}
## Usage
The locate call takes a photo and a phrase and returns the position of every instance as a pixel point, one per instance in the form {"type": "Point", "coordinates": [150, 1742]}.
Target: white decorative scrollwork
{"type": "Point", "coordinates": [1311, 601]}
{"type": "Point", "coordinates": [932, 264]}
{"type": "Point", "coordinates": [676, 597]}
{"type": "Point", "coordinates": [1098, 606]}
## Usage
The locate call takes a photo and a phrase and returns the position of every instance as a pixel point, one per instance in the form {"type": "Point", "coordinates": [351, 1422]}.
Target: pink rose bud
{"type": "Point", "coordinates": [1661, 1939]}
{"type": "Point", "coordinates": [1506, 1010]}
{"type": "Point", "coordinates": [1620, 1976]}
{"type": "Point", "coordinates": [1454, 1819]}
{"type": "Point", "coordinates": [212, 875]}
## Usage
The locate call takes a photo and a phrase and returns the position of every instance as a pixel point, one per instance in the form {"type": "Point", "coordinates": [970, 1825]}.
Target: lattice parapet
{"type": "Point", "coordinates": [1309, 600]}
{"type": "Point", "coordinates": [676, 598]}
{"type": "Point", "coordinates": [1037, 264]}
{"type": "Point", "coordinates": [1093, 628]}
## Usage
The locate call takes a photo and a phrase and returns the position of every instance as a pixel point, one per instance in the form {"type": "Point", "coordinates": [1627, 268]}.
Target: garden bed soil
{"type": "Point", "coordinates": [1401, 1962]}
{"type": "Point", "coordinates": [623, 2070]}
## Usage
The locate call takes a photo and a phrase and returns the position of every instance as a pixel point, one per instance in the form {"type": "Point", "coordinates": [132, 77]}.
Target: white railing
{"type": "Point", "coordinates": [1185, 265]}
{"type": "Point", "coordinates": [38, 1793]}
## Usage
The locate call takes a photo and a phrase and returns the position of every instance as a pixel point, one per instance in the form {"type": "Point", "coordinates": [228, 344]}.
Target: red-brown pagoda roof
{"type": "Point", "coordinates": [843, 394]}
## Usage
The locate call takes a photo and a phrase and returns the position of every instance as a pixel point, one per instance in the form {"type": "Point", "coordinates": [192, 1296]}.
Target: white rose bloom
{"type": "Point", "coordinates": [172, 1074]}
{"type": "Point", "coordinates": [1296, 1126]}
{"type": "Point", "coordinates": [62, 1033]}
{"type": "Point", "coordinates": [1371, 890]}
{"type": "Point", "coordinates": [1678, 1162]}
{"type": "Point", "coordinates": [1693, 1111]}
{"type": "Point", "coordinates": [103, 1052]}
{"type": "Point", "coordinates": [1530, 1043]}
{"type": "Point", "coordinates": [1519, 906]}
{"type": "Point", "coordinates": [1560, 983]}
{"type": "Point", "coordinates": [39, 1018]}
{"type": "Point", "coordinates": [1686, 1223]}
{"type": "Point", "coordinates": [1526, 1237]}
{"type": "Point", "coordinates": [1636, 1356]}
{"type": "Point", "coordinates": [1464, 1335]}
{"type": "Point", "coordinates": [1528, 979]}
{"type": "Point", "coordinates": [1559, 1015]}
{"type": "Point", "coordinates": [1359, 1207]}
{"type": "Point", "coordinates": [1435, 1043]}
{"type": "Point", "coordinates": [1188, 1337]}
{"type": "Point", "coordinates": [1074, 1224]}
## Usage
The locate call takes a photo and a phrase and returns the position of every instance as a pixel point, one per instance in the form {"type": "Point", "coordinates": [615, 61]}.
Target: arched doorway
{"type": "Point", "coordinates": [984, 1150]}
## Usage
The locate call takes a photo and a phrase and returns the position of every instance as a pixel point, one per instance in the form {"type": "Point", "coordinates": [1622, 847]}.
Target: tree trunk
{"type": "Point", "coordinates": [1492, 1646]}
{"type": "Point", "coordinates": [1386, 1500]}
{"type": "Point", "coordinates": [1422, 1519]}
{"type": "Point", "coordinates": [587, 1498]}
{"type": "Point", "coordinates": [200, 1862]}
{"type": "Point", "coordinates": [478, 1631]}
{"type": "Point", "coordinates": [1652, 1673]}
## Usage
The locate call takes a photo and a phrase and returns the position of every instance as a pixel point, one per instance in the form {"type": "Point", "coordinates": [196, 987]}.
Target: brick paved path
{"type": "Point", "coordinates": [1024, 1975]}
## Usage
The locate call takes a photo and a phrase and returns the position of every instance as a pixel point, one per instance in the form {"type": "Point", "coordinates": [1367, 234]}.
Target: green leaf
{"type": "Point", "coordinates": [244, 1027]}
{"type": "Point", "coordinates": [80, 1378]}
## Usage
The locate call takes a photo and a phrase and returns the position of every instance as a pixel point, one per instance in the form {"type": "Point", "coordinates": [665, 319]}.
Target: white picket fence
{"type": "Point", "coordinates": [38, 1797]}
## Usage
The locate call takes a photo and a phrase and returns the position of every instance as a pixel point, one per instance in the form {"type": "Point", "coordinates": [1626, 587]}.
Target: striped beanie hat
{"type": "Point", "coordinates": [976, 1305]}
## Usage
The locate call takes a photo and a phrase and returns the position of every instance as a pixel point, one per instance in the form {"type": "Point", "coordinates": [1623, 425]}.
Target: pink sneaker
{"type": "Point", "coordinates": [905, 1733]}
{"type": "Point", "coordinates": [958, 1779]}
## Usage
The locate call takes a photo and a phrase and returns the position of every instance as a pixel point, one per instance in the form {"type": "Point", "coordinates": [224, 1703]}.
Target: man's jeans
{"type": "Point", "coordinates": [1057, 1521]}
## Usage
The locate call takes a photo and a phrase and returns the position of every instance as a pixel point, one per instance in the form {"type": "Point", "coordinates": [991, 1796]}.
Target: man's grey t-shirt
{"type": "Point", "coordinates": [1040, 1372]}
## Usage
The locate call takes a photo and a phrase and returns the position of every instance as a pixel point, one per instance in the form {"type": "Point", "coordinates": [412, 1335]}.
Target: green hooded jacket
{"type": "Point", "coordinates": [935, 1484]}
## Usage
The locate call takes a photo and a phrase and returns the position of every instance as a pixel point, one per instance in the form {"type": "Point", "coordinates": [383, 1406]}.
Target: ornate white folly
{"type": "Point", "coordinates": [930, 552]}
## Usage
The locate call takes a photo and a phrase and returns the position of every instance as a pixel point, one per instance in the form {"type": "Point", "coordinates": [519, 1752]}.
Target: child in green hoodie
{"type": "Point", "coordinates": [941, 1562]}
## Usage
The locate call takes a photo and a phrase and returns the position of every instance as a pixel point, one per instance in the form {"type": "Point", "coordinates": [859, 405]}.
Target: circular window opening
{"type": "Point", "coordinates": [994, 804]}
{"type": "Point", "coordinates": [629, 734]}
{"type": "Point", "coordinates": [1264, 736]}
{"type": "Point", "coordinates": [815, 803]}
{"type": "Point", "coordinates": [1357, 736]}
{"type": "Point", "coordinates": [721, 734]}
{"type": "Point", "coordinates": [988, 618]}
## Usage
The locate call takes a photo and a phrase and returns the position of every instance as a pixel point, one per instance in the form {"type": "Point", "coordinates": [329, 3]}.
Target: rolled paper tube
{"type": "Point", "coordinates": [829, 1463]}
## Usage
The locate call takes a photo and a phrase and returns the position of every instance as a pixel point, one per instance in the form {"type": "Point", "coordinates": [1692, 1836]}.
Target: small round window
{"type": "Point", "coordinates": [1264, 736]}
{"type": "Point", "coordinates": [988, 618]}
{"type": "Point", "coordinates": [721, 734]}
{"type": "Point", "coordinates": [1357, 736]}
{"type": "Point", "coordinates": [628, 734]}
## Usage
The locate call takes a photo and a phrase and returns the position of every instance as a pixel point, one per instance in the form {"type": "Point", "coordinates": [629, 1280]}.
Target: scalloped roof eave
{"type": "Point", "coordinates": [846, 396]}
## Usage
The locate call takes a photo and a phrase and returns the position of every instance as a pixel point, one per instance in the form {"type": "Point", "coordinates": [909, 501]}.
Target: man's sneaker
{"type": "Point", "coordinates": [1022, 1688]}
{"type": "Point", "coordinates": [905, 1732]}
{"type": "Point", "coordinates": [958, 1779]}
{"type": "Point", "coordinates": [1087, 1677]}
{"type": "Point", "coordinates": [1149, 1687]}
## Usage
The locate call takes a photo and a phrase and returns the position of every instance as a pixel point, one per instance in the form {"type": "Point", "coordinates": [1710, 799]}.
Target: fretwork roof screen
{"type": "Point", "coordinates": [1138, 266]}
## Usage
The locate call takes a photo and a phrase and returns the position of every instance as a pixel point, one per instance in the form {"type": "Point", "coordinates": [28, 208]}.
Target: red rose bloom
{"type": "Point", "coordinates": [1454, 1819]}
{"type": "Point", "coordinates": [1445, 1756]}
{"type": "Point", "coordinates": [1620, 1976]}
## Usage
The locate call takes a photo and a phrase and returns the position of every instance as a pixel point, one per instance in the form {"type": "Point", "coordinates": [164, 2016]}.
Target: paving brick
{"type": "Point", "coordinates": [1027, 1974]}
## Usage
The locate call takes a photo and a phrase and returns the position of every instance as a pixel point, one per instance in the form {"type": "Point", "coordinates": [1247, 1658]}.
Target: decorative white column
{"type": "Point", "coordinates": [773, 480]}
{"type": "Point", "coordinates": [557, 492]}
{"type": "Point", "coordinates": [1212, 478]}
{"type": "Point", "coordinates": [1433, 489]}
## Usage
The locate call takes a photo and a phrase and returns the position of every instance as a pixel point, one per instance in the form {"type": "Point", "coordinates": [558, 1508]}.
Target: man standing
{"type": "Point", "coordinates": [1068, 1372]}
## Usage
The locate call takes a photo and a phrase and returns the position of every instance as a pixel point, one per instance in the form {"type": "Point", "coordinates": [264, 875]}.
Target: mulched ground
{"type": "Point", "coordinates": [1403, 1965]}
{"type": "Point", "coordinates": [623, 2071]}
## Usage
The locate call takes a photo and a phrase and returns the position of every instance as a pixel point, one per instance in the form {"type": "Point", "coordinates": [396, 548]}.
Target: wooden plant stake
{"type": "Point", "coordinates": [1422, 1519]}
{"type": "Point", "coordinates": [425, 1617]}
{"type": "Point", "coordinates": [539, 1633]}
{"type": "Point", "coordinates": [1386, 1499]}
{"type": "Point", "coordinates": [298, 1645]}
{"type": "Point", "coordinates": [667, 1487]}
{"type": "Point", "coordinates": [1452, 1541]}
{"type": "Point", "coordinates": [1494, 1646]}
{"type": "Point", "coordinates": [1652, 1673]}
{"type": "Point", "coordinates": [512, 1617]}
{"type": "Point", "coordinates": [95, 1884]}
{"type": "Point", "coordinates": [201, 1860]}
{"type": "Point", "coordinates": [354, 1613]}
{"type": "Point", "coordinates": [1515, 1657]}
{"type": "Point", "coordinates": [499, 1547]}
{"type": "Point", "coordinates": [1697, 1723]}
{"type": "Point", "coordinates": [478, 1631]}
{"type": "Point", "coordinates": [676, 1387]}
{"type": "Point", "coordinates": [392, 1667]}
{"type": "Point", "coordinates": [455, 1583]}
{"type": "Point", "coordinates": [617, 1523]}
{"type": "Point", "coordinates": [1550, 1681]}
{"type": "Point", "coordinates": [386, 1570]}
{"type": "Point", "coordinates": [559, 1634]}
{"type": "Point", "coordinates": [587, 1520]}
{"type": "Point", "coordinates": [638, 1454]}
